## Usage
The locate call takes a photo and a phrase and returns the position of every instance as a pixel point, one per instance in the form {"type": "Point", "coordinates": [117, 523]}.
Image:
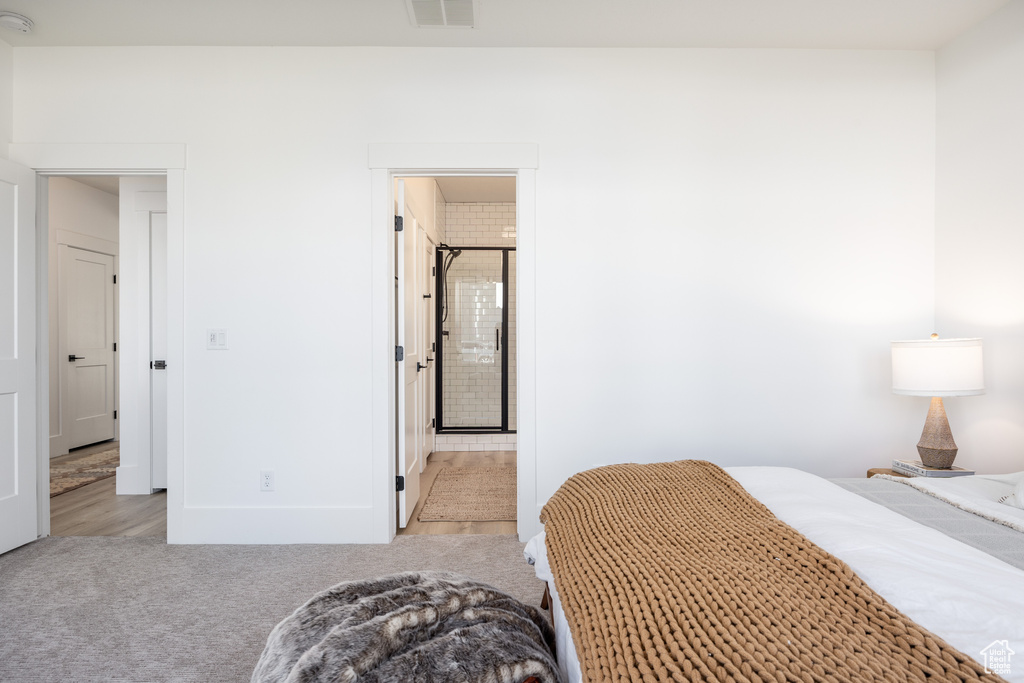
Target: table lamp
{"type": "Point", "coordinates": [937, 367]}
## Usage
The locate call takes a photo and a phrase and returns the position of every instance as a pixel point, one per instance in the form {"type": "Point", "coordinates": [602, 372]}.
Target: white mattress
{"type": "Point", "coordinates": [968, 598]}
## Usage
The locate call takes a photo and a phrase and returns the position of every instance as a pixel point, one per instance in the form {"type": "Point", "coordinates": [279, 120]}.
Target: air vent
{"type": "Point", "coordinates": [442, 13]}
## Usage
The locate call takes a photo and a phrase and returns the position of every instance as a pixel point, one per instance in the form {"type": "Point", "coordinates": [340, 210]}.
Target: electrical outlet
{"type": "Point", "coordinates": [266, 480]}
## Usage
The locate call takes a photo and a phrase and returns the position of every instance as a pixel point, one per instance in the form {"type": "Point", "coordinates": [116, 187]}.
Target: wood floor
{"type": "Point", "coordinates": [458, 459]}
{"type": "Point", "coordinates": [96, 509]}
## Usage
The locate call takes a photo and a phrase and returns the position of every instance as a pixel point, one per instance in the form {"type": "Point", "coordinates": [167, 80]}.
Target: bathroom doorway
{"type": "Point", "coordinates": [467, 481]}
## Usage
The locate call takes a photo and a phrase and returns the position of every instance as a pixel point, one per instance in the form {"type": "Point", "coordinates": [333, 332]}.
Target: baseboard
{"type": "Point", "coordinates": [130, 481]}
{"type": "Point", "coordinates": [57, 446]}
{"type": "Point", "coordinates": [271, 525]}
{"type": "Point", "coordinates": [528, 528]}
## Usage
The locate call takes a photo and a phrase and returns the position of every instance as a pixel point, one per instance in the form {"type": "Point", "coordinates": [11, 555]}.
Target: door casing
{"type": "Point", "coordinates": [386, 162]}
{"type": "Point", "coordinates": [118, 160]}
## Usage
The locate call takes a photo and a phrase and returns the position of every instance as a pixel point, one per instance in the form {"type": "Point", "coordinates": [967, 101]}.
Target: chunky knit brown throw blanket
{"type": "Point", "coordinates": [673, 572]}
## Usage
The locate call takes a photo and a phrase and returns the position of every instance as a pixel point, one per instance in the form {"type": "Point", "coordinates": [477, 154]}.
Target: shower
{"type": "Point", "coordinates": [476, 342]}
{"type": "Point", "coordinates": [451, 256]}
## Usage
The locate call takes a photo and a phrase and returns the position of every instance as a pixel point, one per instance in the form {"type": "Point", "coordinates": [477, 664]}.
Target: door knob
{"type": "Point", "coordinates": [72, 358]}
{"type": "Point", "coordinates": [420, 366]}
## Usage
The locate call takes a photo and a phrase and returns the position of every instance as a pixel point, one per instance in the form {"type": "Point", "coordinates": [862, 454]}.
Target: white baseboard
{"type": "Point", "coordinates": [57, 446]}
{"type": "Point", "coordinates": [129, 481]}
{"type": "Point", "coordinates": [276, 525]}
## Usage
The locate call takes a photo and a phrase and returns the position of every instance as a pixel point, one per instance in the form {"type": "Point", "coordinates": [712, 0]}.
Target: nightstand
{"type": "Point", "coordinates": [885, 470]}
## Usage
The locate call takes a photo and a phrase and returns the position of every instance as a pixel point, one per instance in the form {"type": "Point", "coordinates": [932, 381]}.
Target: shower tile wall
{"type": "Point", "coordinates": [472, 400]}
{"type": "Point", "coordinates": [480, 225]}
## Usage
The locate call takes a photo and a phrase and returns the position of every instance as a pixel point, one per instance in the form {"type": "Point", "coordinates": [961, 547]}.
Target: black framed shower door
{"type": "Point", "coordinates": [475, 360]}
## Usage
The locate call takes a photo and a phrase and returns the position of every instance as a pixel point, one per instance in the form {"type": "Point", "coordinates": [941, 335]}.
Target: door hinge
{"type": "Point", "coordinates": [433, 270]}
{"type": "Point", "coordinates": [398, 223]}
{"type": "Point", "coordinates": [115, 279]}
{"type": "Point", "coordinates": [399, 483]}
{"type": "Point", "coordinates": [115, 346]}
{"type": "Point", "coordinates": [432, 422]}
{"type": "Point", "coordinates": [399, 353]}
{"type": "Point", "coordinates": [115, 414]}
{"type": "Point", "coordinates": [158, 365]}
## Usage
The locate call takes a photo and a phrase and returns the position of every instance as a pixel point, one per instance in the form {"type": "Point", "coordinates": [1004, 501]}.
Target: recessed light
{"type": "Point", "coordinates": [15, 22]}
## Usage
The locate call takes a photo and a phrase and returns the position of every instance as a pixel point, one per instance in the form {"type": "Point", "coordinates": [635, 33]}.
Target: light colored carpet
{"type": "Point", "coordinates": [471, 494]}
{"type": "Point", "coordinates": [135, 609]}
{"type": "Point", "coordinates": [72, 471]}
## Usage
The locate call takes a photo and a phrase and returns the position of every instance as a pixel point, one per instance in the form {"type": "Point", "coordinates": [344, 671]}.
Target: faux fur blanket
{"type": "Point", "coordinates": [416, 626]}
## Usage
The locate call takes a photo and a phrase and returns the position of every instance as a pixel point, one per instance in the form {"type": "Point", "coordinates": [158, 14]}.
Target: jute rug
{"type": "Point", "coordinates": [471, 494]}
{"type": "Point", "coordinates": [70, 472]}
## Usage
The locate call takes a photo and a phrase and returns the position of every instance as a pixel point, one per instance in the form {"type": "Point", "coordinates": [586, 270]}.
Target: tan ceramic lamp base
{"type": "Point", "coordinates": [936, 447]}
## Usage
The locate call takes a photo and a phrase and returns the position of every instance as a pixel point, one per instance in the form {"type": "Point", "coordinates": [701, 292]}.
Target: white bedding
{"type": "Point", "coordinates": [968, 598]}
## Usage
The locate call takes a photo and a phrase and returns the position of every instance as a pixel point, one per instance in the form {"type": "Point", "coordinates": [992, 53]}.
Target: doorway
{"type": "Point", "coordinates": [456, 321]}
{"type": "Point", "coordinates": [92, 471]}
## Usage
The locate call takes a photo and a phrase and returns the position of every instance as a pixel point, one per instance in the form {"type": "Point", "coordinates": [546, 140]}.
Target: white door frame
{"type": "Point", "coordinates": [115, 159]}
{"type": "Point", "coordinates": [386, 162]}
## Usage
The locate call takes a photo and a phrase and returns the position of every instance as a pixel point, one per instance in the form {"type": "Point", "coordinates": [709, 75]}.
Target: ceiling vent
{"type": "Point", "coordinates": [442, 13]}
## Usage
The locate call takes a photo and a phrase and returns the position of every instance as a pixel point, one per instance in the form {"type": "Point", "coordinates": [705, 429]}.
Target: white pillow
{"type": "Point", "coordinates": [1016, 499]}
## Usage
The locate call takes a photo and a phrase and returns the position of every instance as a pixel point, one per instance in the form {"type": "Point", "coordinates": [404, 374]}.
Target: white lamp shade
{"type": "Point", "coordinates": [938, 367]}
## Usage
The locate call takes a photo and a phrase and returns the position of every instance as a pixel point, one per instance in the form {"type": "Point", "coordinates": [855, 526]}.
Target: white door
{"type": "Point", "coordinates": [409, 388]}
{"type": "Point", "coordinates": [86, 292]}
{"type": "Point", "coordinates": [426, 321]}
{"type": "Point", "coordinates": [18, 429]}
{"type": "Point", "coordinates": [158, 345]}
{"type": "Point", "coordinates": [143, 332]}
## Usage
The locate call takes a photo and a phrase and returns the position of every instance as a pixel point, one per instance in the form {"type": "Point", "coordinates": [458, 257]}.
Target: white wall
{"type": "Point", "coordinates": [6, 96]}
{"type": "Point", "coordinates": [980, 230]}
{"type": "Point", "coordinates": [421, 195]}
{"type": "Point", "coordinates": [84, 210]}
{"type": "Point", "coordinates": [726, 242]}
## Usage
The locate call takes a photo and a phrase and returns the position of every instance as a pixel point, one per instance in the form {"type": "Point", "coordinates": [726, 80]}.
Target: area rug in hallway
{"type": "Point", "coordinates": [70, 472]}
{"type": "Point", "coordinates": [471, 494]}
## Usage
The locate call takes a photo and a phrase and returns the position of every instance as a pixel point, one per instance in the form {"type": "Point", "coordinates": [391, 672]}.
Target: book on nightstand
{"type": "Point", "coordinates": [914, 468]}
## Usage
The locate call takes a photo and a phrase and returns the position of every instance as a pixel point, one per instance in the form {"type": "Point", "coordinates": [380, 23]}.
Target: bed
{"type": "Point", "coordinates": [955, 575]}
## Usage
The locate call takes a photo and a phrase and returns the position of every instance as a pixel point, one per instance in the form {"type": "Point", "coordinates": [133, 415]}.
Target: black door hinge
{"type": "Point", "coordinates": [115, 346]}
{"type": "Point", "coordinates": [115, 279]}
{"type": "Point", "coordinates": [433, 270]}
{"type": "Point", "coordinates": [432, 422]}
{"type": "Point", "coordinates": [398, 223]}
{"type": "Point", "coordinates": [399, 353]}
{"type": "Point", "coordinates": [115, 414]}
{"type": "Point", "coordinates": [399, 483]}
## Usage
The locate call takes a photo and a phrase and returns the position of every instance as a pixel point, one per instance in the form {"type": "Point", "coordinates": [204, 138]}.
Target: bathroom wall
{"type": "Point", "coordinates": [470, 396]}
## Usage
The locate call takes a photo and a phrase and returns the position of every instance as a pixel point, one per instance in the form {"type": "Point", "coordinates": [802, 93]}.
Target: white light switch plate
{"type": "Point", "coordinates": [217, 339]}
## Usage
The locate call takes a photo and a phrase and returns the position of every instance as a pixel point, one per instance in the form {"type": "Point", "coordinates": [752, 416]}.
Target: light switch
{"type": "Point", "coordinates": [217, 339]}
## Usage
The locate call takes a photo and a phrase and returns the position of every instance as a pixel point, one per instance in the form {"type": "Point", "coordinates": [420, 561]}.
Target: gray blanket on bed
{"type": "Point", "coordinates": [417, 626]}
{"type": "Point", "coordinates": [995, 539]}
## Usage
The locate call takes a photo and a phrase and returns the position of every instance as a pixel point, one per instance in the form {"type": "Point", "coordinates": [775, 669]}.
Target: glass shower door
{"type": "Point", "coordinates": [471, 338]}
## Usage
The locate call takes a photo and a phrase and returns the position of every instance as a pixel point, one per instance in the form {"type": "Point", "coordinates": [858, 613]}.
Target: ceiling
{"type": "Point", "coordinates": [484, 189]}
{"type": "Point", "coordinates": [110, 184]}
{"type": "Point", "coordinates": [846, 24]}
